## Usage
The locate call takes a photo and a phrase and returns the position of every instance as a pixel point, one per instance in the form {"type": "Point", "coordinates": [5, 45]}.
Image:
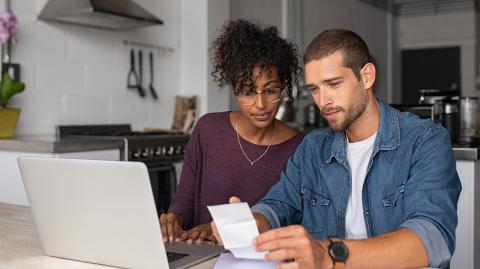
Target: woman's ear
{"type": "Point", "coordinates": [367, 75]}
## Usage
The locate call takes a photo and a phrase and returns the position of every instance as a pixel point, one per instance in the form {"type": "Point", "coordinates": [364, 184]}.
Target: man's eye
{"type": "Point", "coordinates": [313, 90]}
{"type": "Point", "coordinates": [334, 84]}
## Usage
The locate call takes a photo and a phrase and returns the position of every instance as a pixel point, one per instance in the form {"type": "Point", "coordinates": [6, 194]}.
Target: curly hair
{"type": "Point", "coordinates": [242, 45]}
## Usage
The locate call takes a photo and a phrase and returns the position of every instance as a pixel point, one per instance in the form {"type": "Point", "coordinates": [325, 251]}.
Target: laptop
{"type": "Point", "coordinates": [102, 212]}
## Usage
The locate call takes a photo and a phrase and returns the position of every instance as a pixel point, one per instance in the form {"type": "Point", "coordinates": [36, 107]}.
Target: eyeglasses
{"type": "Point", "coordinates": [271, 95]}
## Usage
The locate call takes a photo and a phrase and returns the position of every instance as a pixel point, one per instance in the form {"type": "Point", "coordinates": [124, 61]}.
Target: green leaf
{"type": "Point", "coordinates": [8, 88]}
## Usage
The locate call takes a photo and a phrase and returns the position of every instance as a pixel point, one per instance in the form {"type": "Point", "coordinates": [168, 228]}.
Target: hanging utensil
{"type": "Point", "coordinates": [132, 77]}
{"type": "Point", "coordinates": [141, 91]}
{"type": "Point", "coordinates": [153, 92]}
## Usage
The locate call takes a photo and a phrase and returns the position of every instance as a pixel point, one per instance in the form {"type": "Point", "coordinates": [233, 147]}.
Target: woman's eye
{"type": "Point", "coordinates": [269, 91]}
{"type": "Point", "coordinates": [249, 93]}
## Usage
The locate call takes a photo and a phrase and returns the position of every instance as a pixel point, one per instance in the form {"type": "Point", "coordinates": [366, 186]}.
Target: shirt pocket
{"type": "Point", "coordinates": [391, 199]}
{"type": "Point", "coordinates": [315, 211]}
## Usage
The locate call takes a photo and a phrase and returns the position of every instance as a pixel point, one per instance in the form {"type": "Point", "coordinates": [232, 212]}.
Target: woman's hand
{"type": "Point", "coordinates": [197, 234]}
{"type": "Point", "coordinates": [171, 226]}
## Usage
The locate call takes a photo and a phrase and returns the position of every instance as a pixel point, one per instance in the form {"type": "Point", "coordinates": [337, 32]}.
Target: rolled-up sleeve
{"type": "Point", "coordinates": [431, 196]}
{"type": "Point", "coordinates": [268, 213]}
{"type": "Point", "coordinates": [437, 249]}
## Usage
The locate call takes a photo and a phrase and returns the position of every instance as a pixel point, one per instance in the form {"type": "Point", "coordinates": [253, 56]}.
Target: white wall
{"type": "Point", "coordinates": [454, 29]}
{"type": "Point", "coordinates": [267, 12]}
{"type": "Point", "coordinates": [200, 19]}
{"type": "Point", "coordinates": [78, 75]}
{"type": "Point", "coordinates": [369, 22]}
{"type": "Point", "coordinates": [218, 15]}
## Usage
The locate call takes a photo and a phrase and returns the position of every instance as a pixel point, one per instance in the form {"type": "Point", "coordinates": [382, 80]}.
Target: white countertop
{"type": "Point", "coordinates": [20, 247]}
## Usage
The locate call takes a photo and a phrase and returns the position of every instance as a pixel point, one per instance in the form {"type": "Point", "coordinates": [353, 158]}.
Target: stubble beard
{"type": "Point", "coordinates": [360, 101]}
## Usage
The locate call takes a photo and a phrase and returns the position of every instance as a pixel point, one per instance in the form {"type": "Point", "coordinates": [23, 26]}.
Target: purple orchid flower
{"type": "Point", "coordinates": [8, 25]}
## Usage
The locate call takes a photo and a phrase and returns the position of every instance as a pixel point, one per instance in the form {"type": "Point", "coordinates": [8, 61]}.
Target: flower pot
{"type": "Point", "coordinates": [8, 121]}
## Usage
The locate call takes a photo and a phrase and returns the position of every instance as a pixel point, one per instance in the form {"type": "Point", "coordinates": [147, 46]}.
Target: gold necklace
{"type": "Point", "coordinates": [265, 152]}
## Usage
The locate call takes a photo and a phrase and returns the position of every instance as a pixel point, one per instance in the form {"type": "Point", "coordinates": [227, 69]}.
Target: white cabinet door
{"type": "Point", "coordinates": [12, 190]}
{"type": "Point", "coordinates": [464, 256]}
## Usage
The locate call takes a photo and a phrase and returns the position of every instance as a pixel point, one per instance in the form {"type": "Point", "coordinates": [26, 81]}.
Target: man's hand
{"type": "Point", "coordinates": [197, 234]}
{"type": "Point", "coordinates": [171, 226]}
{"type": "Point", "coordinates": [296, 244]}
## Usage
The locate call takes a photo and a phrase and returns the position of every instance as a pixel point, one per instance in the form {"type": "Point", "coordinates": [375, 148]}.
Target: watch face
{"type": "Point", "coordinates": [338, 251]}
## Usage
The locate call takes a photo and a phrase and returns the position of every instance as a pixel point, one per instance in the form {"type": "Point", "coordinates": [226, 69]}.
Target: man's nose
{"type": "Point", "coordinates": [322, 99]}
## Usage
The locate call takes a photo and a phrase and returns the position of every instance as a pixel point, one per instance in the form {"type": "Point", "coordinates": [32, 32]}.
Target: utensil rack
{"type": "Point", "coordinates": [161, 49]}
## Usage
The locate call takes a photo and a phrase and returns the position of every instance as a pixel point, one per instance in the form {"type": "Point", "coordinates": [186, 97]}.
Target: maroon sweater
{"type": "Point", "coordinates": [214, 169]}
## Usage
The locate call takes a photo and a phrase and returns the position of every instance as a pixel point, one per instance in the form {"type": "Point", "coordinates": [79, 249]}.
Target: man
{"type": "Point", "coordinates": [378, 189]}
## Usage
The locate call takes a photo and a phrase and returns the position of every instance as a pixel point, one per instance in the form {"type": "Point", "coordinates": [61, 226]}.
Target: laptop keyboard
{"type": "Point", "coordinates": [173, 256]}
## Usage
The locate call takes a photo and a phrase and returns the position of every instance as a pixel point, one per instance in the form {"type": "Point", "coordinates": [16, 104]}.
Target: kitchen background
{"type": "Point", "coordinates": [75, 74]}
{"type": "Point", "coordinates": [78, 75]}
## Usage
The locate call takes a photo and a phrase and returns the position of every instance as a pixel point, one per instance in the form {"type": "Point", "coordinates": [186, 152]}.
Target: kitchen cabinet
{"type": "Point", "coordinates": [12, 190]}
{"type": "Point", "coordinates": [467, 252]}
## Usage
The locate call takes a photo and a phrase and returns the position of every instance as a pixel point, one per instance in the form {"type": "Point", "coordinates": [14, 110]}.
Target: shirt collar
{"type": "Point", "coordinates": [388, 135]}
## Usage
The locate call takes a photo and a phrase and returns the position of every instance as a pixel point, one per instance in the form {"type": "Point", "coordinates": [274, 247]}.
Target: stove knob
{"type": "Point", "coordinates": [145, 152]}
{"type": "Point", "coordinates": [136, 154]}
{"type": "Point", "coordinates": [178, 150]}
{"type": "Point", "coordinates": [184, 149]}
{"type": "Point", "coordinates": [164, 151]}
{"type": "Point", "coordinates": [158, 152]}
{"type": "Point", "coordinates": [171, 150]}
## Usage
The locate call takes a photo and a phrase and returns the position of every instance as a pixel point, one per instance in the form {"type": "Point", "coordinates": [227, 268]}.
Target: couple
{"type": "Point", "coordinates": [378, 189]}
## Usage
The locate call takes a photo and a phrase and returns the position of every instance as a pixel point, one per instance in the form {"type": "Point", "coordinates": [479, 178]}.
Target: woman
{"type": "Point", "coordinates": [238, 153]}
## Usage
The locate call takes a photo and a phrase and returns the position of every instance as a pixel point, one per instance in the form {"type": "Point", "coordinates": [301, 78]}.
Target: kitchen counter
{"type": "Point", "coordinates": [51, 144]}
{"type": "Point", "coordinates": [467, 154]}
{"type": "Point", "coordinates": [21, 247]}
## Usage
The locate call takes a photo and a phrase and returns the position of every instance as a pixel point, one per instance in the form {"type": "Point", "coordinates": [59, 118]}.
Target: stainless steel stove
{"type": "Point", "coordinates": [158, 150]}
{"type": "Point", "coordinates": [148, 147]}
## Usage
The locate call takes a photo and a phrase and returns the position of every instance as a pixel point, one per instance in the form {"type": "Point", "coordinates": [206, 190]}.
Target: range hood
{"type": "Point", "coordinates": [105, 14]}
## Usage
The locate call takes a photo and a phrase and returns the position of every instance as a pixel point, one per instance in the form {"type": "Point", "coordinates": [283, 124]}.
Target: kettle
{"type": "Point", "coordinates": [450, 118]}
{"type": "Point", "coordinates": [469, 121]}
{"type": "Point", "coordinates": [286, 111]}
{"type": "Point", "coordinates": [312, 115]}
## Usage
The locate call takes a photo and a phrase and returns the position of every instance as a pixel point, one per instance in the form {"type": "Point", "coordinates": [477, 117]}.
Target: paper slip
{"type": "Point", "coordinates": [227, 261]}
{"type": "Point", "coordinates": [237, 228]}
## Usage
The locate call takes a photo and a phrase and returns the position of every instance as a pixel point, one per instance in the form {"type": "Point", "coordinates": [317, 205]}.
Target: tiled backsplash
{"type": "Point", "coordinates": [77, 75]}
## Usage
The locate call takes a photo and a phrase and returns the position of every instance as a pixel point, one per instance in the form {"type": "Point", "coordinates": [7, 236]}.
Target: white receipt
{"type": "Point", "coordinates": [237, 228]}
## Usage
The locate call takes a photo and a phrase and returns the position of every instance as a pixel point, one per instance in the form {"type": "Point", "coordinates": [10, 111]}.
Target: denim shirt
{"type": "Point", "coordinates": [411, 182]}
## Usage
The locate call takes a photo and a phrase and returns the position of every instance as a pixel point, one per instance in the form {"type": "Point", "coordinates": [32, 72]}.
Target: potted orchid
{"type": "Point", "coordinates": [8, 88]}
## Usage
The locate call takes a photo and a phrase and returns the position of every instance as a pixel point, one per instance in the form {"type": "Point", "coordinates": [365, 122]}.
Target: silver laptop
{"type": "Point", "coordinates": [101, 212]}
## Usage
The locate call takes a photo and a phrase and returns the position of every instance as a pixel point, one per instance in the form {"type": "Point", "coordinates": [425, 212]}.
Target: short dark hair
{"type": "Point", "coordinates": [355, 50]}
{"type": "Point", "coordinates": [242, 45]}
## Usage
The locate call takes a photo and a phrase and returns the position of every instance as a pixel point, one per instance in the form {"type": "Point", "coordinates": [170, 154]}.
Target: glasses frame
{"type": "Point", "coordinates": [282, 90]}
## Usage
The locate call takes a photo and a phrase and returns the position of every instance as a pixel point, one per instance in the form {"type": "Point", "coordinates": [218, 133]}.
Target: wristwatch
{"type": "Point", "coordinates": [338, 252]}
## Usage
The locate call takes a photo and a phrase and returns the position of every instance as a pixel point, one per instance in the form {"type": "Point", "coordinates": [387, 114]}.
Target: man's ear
{"type": "Point", "coordinates": [368, 75]}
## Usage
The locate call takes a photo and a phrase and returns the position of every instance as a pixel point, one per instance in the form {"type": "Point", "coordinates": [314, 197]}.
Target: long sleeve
{"type": "Point", "coordinates": [431, 196]}
{"type": "Point", "coordinates": [183, 203]}
{"type": "Point", "coordinates": [214, 169]}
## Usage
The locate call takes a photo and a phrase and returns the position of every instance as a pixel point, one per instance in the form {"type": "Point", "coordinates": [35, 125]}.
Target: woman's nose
{"type": "Point", "coordinates": [259, 100]}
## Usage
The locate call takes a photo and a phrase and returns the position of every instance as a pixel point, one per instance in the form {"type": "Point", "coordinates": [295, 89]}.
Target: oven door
{"type": "Point", "coordinates": [163, 179]}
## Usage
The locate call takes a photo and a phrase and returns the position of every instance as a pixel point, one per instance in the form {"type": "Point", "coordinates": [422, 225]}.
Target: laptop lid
{"type": "Point", "coordinates": [95, 211]}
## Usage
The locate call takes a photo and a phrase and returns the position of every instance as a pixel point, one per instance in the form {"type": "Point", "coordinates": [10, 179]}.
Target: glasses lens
{"type": "Point", "coordinates": [270, 95]}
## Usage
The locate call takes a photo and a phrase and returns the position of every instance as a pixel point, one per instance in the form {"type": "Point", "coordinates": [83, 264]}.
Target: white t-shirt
{"type": "Point", "coordinates": [359, 154]}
